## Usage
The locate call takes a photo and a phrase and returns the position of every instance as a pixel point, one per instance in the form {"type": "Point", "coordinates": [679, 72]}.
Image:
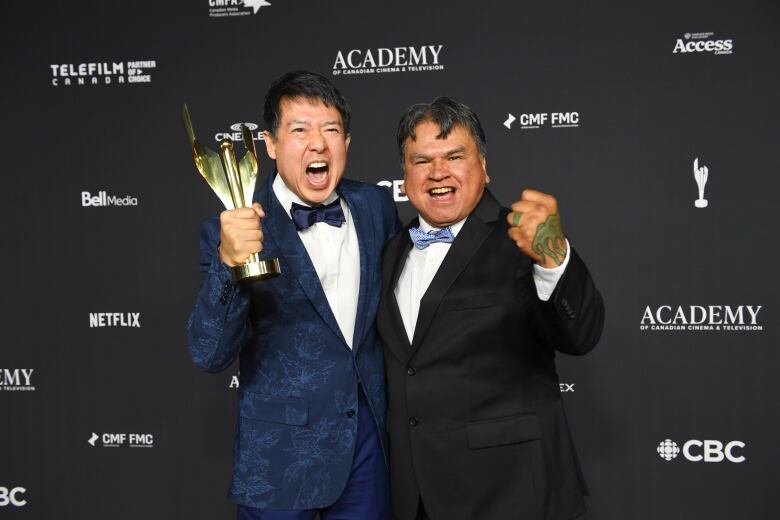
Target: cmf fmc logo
{"type": "Point", "coordinates": [696, 450]}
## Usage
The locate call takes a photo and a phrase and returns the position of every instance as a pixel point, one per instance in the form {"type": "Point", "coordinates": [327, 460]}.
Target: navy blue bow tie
{"type": "Point", "coordinates": [422, 239]}
{"type": "Point", "coordinates": [306, 216]}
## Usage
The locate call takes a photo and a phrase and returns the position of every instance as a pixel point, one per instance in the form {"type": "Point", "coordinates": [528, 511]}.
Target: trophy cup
{"type": "Point", "coordinates": [700, 175]}
{"type": "Point", "coordinates": [234, 184]}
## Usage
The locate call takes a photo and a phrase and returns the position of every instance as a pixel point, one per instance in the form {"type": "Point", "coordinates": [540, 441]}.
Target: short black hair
{"type": "Point", "coordinates": [302, 84]}
{"type": "Point", "coordinates": [446, 112]}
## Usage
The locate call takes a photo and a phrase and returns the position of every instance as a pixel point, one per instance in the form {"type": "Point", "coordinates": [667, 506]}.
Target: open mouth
{"type": "Point", "coordinates": [441, 193]}
{"type": "Point", "coordinates": [317, 173]}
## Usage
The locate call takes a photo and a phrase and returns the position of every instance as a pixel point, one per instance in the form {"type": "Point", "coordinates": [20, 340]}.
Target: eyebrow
{"type": "Point", "coordinates": [306, 122]}
{"type": "Point", "coordinates": [448, 153]}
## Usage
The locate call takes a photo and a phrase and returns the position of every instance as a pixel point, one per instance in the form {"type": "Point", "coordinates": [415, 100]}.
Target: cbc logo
{"type": "Point", "coordinates": [397, 188]}
{"type": "Point", "coordinates": [707, 451]}
{"type": "Point", "coordinates": [12, 496]}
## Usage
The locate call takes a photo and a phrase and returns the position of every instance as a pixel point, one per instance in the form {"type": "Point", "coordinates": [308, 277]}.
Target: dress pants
{"type": "Point", "coordinates": [366, 494]}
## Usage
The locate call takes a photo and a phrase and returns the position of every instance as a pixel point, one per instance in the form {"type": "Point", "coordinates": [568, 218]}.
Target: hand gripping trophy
{"type": "Point", "coordinates": [700, 174]}
{"type": "Point", "coordinates": [234, 184]}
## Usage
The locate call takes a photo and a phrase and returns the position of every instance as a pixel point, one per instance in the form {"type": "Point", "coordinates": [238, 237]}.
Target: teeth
{"type": "Point", "coordinates": [438, 191]}
{"type": "Point", "coordinates": [320, 164]}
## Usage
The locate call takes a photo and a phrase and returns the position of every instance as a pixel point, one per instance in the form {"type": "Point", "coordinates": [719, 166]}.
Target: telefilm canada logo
{"type": "Point", "coordinates": [708, 450]}
{"type": "Point", "coordinates": [102, 199]}
{"type": "Point", "coordinates": [121, 440]}
{"type": "Point", "coordinates": [234, 134]}
{"type": "Point", "coordinates": [102, 73]}
{"type": "Point", "coordinates": [723, 318]}
{"type": "Point", "coordinates": [384, 60]}
{"type": "Point", "coordinates": [16, 379]}
{"type": "Point", "coordinates": [225, 8]}
{"type": "Point", "coordinates": [114, 319]}
{"type": "Point", "coordinates": [537, 120]}
{"type": "Point", "coordinates": [695, 43]}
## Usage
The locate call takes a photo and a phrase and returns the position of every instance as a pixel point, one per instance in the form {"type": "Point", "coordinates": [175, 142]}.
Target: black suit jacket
{"type": "Point", "coordinates": [476, 423]}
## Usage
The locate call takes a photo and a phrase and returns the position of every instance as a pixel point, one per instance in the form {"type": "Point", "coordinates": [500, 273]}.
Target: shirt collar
{"type": "Point", "coordinates": [455, 228]}
{"type": "Point", "coordinates": [287, 196]}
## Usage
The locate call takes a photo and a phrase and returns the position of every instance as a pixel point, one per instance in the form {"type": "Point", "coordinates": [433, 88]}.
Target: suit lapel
{"type": "Point", "coordinates": [393, 265]}
{"type": "Point", "coordinates": [361, 218]}
{"type": "Point", "coordinates": [472, 234]}
{"type": "Point", "coordinates": [281, 229]}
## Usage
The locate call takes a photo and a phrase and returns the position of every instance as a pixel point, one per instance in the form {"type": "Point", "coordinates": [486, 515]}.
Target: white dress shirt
{"type": "Point", "coordinates": [422, 264]}
{"type": "Point", "coordinates": [335, 254]}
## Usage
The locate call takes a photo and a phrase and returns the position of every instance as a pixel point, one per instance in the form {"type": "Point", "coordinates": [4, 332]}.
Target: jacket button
{"type": "Point", "coordinates": [413, 421]}
{"type": "Point", "coordinates": [411, 371]}
{"type": "Point", "coordinates": [350, 413]}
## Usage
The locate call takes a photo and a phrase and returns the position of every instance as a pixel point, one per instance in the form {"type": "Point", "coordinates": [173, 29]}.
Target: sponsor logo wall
{"type": "Point", "coordinates": [654, 127]}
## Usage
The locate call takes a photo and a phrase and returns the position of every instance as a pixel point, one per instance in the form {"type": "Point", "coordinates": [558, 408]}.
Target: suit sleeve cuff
{"type": "Point", "coordinates": [547, 279]}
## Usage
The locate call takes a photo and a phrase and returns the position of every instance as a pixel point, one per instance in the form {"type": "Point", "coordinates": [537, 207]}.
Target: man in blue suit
{"type": "Point", "coordinates": [310, 436]}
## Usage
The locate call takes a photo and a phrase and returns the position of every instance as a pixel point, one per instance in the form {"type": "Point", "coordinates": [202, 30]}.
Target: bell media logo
{"type": "Point", "coordinates": [384, 60]}
{"type": "Point", "coordinates": [101, 73]}
{"type": "Point", "coordinates": [718, 318]}
{"type": "Point", "coordinates": [102, 200]}
{"type": "Point", "coordinates": [234, 134]}
{"type": "Point", "coordinates": [695, 43]}
{"type": "Point", "coordinates": [708, 450]}
{"type": "Point", "coordinates": [225, 8]}
{"type": "Point", "coordinates": [119, 440]}
{"type": "Point", "coordinates": [16, 379]}
{"type": "Point", "coordinates": [537, 120]}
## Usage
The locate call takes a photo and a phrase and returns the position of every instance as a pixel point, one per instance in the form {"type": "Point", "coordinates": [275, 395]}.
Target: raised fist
{"type": "Point", "coordinates": [535, 226]}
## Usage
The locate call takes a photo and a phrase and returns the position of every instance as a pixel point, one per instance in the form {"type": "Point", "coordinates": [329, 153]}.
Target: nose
{"type": "Point", "coordinates": [317, 142]}
{"type": "Point", "coordinates": [439, 169]}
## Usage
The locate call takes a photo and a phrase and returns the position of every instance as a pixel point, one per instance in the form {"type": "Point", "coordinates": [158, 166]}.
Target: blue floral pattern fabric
{"type": "Point", "coordinates": [299, 380]}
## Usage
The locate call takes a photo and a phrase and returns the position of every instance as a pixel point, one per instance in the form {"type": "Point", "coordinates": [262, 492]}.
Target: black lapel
{"type": "Point", "coordinates": [469, 239]}
{"type": "Point", "coordinates": [393, 263]}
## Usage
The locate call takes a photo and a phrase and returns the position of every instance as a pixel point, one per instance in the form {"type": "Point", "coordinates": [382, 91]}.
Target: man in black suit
{"type": "Point", "coordinates": [471, 320]}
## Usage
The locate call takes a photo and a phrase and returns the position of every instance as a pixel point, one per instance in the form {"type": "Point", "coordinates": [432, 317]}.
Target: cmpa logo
{"type": "Point", "coordinates": [696, 450]}
{"type": "Point", "coordinates": [118, 440]}
{"type": "Point", "coordinates": [702, 42]}
{"type": "Point", "coordinates": [103, 200]}
{"type": "Point", "coordinates": [533, 121]}
{"type": "Point", "coordinates": [385, 60]}
{"type": "Point", "coordinates": [12, 496]}
{"type": "Point", "coordinates": [16, 379]}
{"type": "Point", "coordinates": [725, 318]}
{"type": "Point", "coordinates": [397, 188]}
{"type": "Point", "coordinates": [224, 8]}
{"type": "Point", "coordinates": [105, 73]}
{"type": "Point", "coordinates": [114, 319]}
{"type": "Point", "coordinates": [235, 133]}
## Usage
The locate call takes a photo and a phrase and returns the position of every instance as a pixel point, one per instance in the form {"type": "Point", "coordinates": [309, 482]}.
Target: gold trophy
{"type": "Point", "coordinates": [234, 184]}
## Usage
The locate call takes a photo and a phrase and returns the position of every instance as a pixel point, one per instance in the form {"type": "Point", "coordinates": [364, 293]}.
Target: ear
{"type": "Point", "coordinates": [346, 141]}
{"type": "Point", "coordinates": [483, 160]}
{"type": "Point", "coordinates": [270, 144]}
{"type": "Point", "coordinates": [402, 188]}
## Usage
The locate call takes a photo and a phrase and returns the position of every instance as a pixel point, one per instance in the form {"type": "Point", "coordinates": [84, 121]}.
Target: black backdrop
{"type": "Point", "coordinates": [114, 421]}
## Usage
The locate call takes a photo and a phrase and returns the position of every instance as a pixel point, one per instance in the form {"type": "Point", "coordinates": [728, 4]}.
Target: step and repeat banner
{"type": "Point", "coordinates": [655, 126]}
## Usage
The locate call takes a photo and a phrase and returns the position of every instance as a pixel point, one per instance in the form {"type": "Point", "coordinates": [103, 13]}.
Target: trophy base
{"type": "Point", "coordinates": [256, 271]}
{"type": "Point", "coordinates": [701, 203]}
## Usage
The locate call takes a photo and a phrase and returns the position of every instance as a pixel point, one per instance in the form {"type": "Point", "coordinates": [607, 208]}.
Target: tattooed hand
{"type": "Point", "coordinates": [535, 226]}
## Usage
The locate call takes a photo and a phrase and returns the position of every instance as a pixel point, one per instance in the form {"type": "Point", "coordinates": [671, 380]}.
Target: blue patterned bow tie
{"type": "Point", "coordinates": [306, 216]}
{"type": "Point", "coordinates": [422, 239]}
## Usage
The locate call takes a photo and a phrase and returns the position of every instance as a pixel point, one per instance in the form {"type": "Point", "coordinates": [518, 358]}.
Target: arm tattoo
{"type": "Point", "coordinates": [549, 240]}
